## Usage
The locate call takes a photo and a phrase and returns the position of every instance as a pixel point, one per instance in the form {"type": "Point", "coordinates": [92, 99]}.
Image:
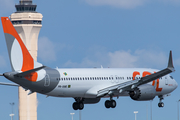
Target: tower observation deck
{"type": "Point", "coordinates": [25, 6]}
{"type": "Point", "coordinates": [27, 23]}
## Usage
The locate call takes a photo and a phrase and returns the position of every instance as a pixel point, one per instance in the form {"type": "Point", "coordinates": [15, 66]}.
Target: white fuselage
{"type": "Point", "coordinates": [87, 82]}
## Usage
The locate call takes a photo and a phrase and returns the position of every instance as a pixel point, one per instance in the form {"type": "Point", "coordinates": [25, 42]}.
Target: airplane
{"type": "Point", "coordinates": [85, 85]}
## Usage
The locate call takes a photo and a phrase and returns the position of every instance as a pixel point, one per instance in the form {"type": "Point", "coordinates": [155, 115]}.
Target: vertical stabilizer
{"type": "Point", "coordinates": [20, 58]}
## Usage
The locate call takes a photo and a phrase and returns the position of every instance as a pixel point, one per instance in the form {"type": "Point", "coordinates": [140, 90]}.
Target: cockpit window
{"type": "Point", "coordinates": [171, 77]}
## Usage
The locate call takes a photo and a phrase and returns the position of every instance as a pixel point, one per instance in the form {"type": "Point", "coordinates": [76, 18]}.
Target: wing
{"type": "Point", "coordinates": [130, 85]}
{"type": "Point", "coordinates": [9, 84]}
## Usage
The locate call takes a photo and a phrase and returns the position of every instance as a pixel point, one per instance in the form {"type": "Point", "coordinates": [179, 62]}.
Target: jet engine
{"type": "Point", "coordinates": [143, 93]}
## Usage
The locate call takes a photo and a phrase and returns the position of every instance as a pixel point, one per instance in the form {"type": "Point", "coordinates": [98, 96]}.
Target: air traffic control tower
{"type": "Point", "coordinates": [28, 23]}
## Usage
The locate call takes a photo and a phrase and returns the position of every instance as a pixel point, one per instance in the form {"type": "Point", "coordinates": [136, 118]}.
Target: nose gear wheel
{"type": "Point", "coordinates": [161, 104]}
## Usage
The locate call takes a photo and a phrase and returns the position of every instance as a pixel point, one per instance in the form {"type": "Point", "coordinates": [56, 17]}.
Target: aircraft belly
{"type": "Point", "coordinates": [67, 92]}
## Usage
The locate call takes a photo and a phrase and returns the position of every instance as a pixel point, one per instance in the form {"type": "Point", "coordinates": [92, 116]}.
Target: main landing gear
{"type": "Point", "coordinates": [78, 105]}
{"type": "Point", "coordinates": [110, 103]}
{"type": "Point", "coordinates": [160, 104]}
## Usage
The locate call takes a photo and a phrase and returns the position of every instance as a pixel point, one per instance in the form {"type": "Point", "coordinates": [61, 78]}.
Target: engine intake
{"type": "Point", "coordinates": [143, 93]}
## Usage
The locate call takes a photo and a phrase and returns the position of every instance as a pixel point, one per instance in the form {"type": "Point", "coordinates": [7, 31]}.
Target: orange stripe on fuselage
{"type": "Point", "coordinates": [157, 85]}
{"type": "Point", "coordinates": [28, 62]}
{"type": "Point", "coordinates": [135, 73]}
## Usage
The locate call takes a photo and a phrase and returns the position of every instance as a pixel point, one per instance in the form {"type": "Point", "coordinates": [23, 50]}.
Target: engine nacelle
{"type": "Point", "coordinates": [143, 93]}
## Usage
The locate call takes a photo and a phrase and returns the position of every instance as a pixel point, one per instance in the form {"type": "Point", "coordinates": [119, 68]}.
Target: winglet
{"type": "Point", "coordinates": [170, 63]}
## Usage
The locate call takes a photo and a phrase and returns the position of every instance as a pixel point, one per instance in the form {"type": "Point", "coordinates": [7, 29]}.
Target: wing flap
{"type": "Point", "coordinates": [118, 87]}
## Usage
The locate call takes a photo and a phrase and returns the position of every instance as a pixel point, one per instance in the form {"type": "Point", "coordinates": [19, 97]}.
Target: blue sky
{"type": "Point", "coordinates": [91, 33]}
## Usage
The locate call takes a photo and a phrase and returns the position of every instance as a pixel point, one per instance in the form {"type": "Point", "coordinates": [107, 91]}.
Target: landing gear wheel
{"type": "Point", "coordinates": [75, 106]}
{"type": "Point", "coordinates": [81, 105]}
{"type": "Point", "coordinates": [107, 104]}
{"type": "Point", "coordinates": [110, 103]}
{"type": "Point", "coordinates": [113, 103]}
{"type": "Point", "coordinates": [78, 105]}
{"type": "Point", "coordinates": [161, 104]}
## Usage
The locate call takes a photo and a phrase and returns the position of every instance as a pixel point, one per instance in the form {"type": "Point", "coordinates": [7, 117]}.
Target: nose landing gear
{"type": "Point", "coordinates": [160, 104]}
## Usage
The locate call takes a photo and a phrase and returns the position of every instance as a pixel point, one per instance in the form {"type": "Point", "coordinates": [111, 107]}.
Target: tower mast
{"type": "Point", "coordinates": [28, 23]}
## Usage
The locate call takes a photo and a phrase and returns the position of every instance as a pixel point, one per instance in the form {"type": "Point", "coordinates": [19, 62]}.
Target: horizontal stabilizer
{"type": "Point", "coordinates": [29, 71]}
{"type": "Point", "coordinates": [9, 84]}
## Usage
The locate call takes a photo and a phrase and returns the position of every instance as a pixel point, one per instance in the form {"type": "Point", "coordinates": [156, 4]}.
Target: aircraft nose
{"type": "Point", "coordinates": [175, 84]}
